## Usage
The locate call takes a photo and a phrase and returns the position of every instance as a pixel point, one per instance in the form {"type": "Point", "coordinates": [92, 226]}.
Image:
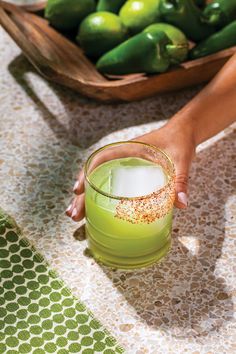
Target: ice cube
{"type": "Point", "coordinates": [137, 181]}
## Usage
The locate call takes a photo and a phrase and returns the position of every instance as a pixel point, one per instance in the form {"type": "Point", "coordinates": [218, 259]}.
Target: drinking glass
{"type": "Point", "coordinates": [129, 196]}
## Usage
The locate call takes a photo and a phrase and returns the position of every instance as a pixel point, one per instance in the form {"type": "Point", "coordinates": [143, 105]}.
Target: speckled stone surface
{"type": "Point", "coordinates": [186, 304]}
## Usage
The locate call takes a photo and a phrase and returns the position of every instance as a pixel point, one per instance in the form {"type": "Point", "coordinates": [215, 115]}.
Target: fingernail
{"type": "Point", "coordinates": [182, 198]}
{"type": "Point", "coordinates": [69, 207]}
{"type": "Point", "coordinates": [76, 185]}
{"type": "Point", "coordinates": [74, 212]}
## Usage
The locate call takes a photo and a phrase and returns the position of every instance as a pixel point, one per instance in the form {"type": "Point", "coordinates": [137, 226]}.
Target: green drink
{"type": "Point", "coordinates": [117, 187]}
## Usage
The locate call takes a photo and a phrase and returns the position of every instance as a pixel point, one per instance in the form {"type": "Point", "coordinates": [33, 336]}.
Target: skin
{"type": "Point", "coordinates": [211, 111]}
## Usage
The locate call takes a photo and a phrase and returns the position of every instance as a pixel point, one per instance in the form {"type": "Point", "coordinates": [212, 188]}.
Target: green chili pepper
{"type": "Point", "coordinates": [185, 15]}
{"type": "Point", "coordinates": [142, 53]}
{"type": "Point", "coordinates": [220, 12]}
{"type": "Point", "coordinates": [110, 6]}
{"type": "Point", "coordinates": [223, 39]}
{"type": "Point", "coordinates": [178, 49]}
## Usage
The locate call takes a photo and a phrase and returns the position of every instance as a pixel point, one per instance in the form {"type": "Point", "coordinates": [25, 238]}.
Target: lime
{"type": "Point", "coordinates": [67, 14]}
{"type": "Point", "coordinates": [138, 14]}
{"type": "Point", "coordinates": [100, 32]}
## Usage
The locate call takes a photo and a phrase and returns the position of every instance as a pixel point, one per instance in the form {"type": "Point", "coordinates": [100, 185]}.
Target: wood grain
{"type": "Point", "coordinates": [60, 60]}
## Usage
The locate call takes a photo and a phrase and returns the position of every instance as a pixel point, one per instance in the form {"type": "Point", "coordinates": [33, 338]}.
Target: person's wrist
{"type": "Point", "coordinates": [180, 126]}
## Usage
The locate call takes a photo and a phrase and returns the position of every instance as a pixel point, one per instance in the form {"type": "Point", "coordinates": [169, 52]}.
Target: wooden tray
{"type": "Point", "coordinates": [62, 61]}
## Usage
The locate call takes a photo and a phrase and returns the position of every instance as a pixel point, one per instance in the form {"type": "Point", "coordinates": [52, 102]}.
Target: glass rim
{"type": "Point", "coordinates": [109, 195]}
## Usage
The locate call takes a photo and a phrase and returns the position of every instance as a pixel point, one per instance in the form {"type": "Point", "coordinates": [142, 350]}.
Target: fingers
{"type": "Point", "coordinates": [181, 186]}
{"type": "Point", "coordinates": [70, 208]}
{"type": "Point", "coordinates": [79, 184]}
{"type": "Point", "coordinates": [77, 209]}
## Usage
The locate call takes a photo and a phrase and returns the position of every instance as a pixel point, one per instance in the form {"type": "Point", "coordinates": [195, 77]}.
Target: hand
{"type": "Point", "coordinates": [177, 141]}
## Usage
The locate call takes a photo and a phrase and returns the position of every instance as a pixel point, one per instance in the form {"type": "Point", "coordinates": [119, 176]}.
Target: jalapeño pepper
{"type": "Point", "coordinates": [178, 49]}
{"type": "Point", "coordinates": [141, 53]}
{"type": "Point", "coordinates": [223, 39]}
{"type": "Point", "coordinates": [220, 12]}
{"type": "Point", "coordinates": [185, 15]}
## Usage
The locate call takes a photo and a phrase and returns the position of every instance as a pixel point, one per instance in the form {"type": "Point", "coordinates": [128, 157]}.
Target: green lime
{"type": "Point", "coordinates": [67, 14]}
{"type": "Point", "coordinates": [138, 14]}
{"type": "Point", "coordinates": [100, 32]}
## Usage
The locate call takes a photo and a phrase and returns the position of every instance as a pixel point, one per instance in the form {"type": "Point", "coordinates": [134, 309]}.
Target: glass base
{"type": "Point", "coordinates": [127, 263]}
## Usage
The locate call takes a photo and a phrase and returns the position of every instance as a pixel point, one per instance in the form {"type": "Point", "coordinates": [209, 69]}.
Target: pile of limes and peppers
{"type": "Point", "coordinates": [132, 36]}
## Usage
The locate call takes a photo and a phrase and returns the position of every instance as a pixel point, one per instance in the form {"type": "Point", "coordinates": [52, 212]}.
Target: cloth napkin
{"type": "Point", "coordinates": [38, 313]}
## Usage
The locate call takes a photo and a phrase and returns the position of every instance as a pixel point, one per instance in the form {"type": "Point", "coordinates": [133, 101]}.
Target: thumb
{"type": "Point", "coordinates": [181, 186]}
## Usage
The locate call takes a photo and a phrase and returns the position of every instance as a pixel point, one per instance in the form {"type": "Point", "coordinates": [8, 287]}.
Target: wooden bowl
{"type": "Point", "coordinates": [60, 60]}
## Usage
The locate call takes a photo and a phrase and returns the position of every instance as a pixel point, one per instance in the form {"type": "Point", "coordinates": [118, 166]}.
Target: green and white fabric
{"type": "Point", "coordinates": [38, 313]}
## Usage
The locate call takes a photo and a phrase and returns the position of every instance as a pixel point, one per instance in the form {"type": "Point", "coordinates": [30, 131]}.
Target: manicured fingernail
{"type": "Point", "coordinates": [182, 198]}
{"type": "Point", "coordinates": [69, 208]}
{"type": "Point", "coordinates": [76, 185]}
{"type": "Point", "coordinates": [74, 212]}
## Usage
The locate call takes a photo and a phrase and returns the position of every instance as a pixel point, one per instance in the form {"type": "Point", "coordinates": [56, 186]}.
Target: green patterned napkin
{"type": "Point", "coordinates": [38, 313]}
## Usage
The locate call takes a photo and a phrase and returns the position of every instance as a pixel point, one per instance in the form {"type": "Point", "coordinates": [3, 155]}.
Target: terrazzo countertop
{"type": "Point", "coordinates": [185, 304]}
